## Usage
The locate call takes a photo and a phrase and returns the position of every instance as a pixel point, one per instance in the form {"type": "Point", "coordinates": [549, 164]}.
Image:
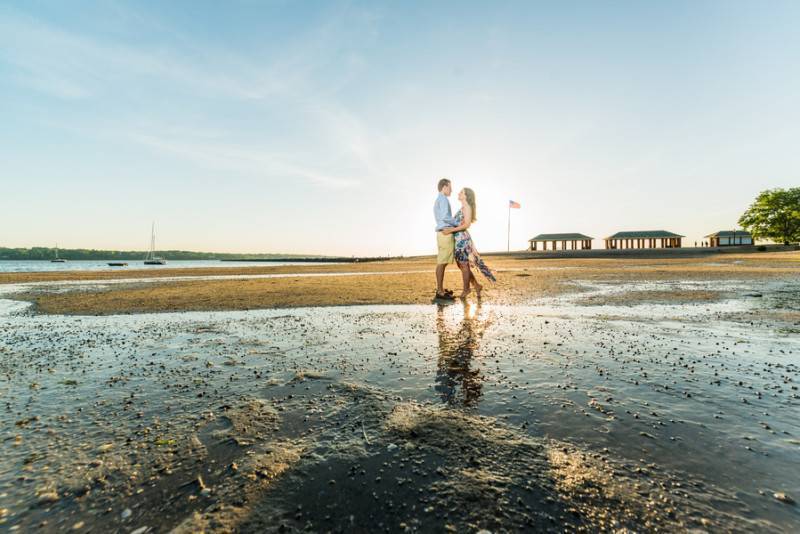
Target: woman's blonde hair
{"type": "Point", "coordinates": [469, 194]}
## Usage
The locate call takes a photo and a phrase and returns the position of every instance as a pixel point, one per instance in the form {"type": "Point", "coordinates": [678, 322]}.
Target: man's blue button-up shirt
{"type": "Point", "coordinates": [441, 210]}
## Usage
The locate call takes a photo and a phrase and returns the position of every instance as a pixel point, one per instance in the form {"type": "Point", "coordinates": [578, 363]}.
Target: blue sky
{"type": "Point", "coordinates": [322, 127]}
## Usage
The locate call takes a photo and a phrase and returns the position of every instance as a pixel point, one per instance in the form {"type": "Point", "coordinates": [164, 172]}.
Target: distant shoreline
{"type": "Point", "coordinates": [308, 260]}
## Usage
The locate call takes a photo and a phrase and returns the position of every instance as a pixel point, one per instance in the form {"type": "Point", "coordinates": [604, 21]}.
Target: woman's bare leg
{"type": "Point", "coordinates": [478, 287]}
{"type": "Point", "coordinates": [466, 275]}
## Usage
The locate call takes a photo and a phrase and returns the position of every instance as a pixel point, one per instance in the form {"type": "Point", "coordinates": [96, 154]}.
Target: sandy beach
{"type": "Point", "coordinates": [577, 395]}
{"type": "Point", "coordinates": [392, 282]}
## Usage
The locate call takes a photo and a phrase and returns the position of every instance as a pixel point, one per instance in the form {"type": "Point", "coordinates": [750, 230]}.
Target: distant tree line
{"type": "Point", "coordinates": [48, 253]}
{"type": "Point", "coordinates": [774, 215]}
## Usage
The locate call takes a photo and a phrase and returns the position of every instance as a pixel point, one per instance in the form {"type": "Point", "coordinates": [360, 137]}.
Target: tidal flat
{"type": "Point", "coordinates": [603, 407]}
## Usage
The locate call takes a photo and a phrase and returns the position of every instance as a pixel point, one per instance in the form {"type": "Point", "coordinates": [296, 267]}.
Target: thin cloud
{"type": "Point", "coordinates": [71, 66]}
{"type": "Point", "coordinates": [249, 160]}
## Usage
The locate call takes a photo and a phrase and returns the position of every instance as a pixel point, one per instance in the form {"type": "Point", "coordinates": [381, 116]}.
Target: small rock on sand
{"type": "Point", "coordinates": [48, 497]}
{"type": "Point", "coordinates": [783, 497]}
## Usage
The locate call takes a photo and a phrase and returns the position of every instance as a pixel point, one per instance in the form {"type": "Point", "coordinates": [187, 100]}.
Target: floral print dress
{"type": "Point", "coordinates": [466, 252]}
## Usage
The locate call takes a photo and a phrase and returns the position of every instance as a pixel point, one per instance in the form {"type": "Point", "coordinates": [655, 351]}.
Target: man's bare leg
{"type": "Point", "coordinates": [440, 278]}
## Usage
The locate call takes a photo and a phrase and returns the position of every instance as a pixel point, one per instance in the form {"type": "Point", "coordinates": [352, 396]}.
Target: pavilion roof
{"type": "Point", "coordinates": [729, 233]}
{"type": "Point", "coordinates": [560, 237]}
{"type": "Point", "coordinates": [644, 234]}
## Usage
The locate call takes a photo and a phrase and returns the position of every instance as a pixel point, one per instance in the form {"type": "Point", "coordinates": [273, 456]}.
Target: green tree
{"type": "Point", "coordinates": [774, 215]}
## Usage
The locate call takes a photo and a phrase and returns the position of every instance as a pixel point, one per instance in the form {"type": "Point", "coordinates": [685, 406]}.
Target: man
{"type": "Point", "coordinates": [445, 243]}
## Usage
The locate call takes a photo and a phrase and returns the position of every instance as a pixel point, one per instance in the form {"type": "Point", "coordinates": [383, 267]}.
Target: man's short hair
{"type": "Point", "coordinates": [443, 182]}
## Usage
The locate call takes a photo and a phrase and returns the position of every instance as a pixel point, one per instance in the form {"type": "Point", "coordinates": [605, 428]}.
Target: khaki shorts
{"type": "Point", "coordinates": [446, 244]}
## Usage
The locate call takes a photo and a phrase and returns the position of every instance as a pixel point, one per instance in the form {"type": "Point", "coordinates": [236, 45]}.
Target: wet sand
{"type": "Point", "coordinates": [598, 402]}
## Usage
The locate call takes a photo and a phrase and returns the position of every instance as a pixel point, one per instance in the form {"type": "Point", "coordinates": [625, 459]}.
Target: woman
{"type": "Point", "coordinates": [465, 253]}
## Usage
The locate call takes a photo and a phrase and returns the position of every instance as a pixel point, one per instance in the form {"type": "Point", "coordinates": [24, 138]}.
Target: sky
{"type": "Point", "coordinates": [323, 127]}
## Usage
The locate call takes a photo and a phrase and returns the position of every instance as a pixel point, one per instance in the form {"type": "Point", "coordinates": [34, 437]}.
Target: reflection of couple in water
{"type": "Point", "coordinates": [457, 381]}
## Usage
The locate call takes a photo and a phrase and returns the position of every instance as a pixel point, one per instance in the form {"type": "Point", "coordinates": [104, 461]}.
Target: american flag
{"type": "Point", "coordinates": [515, 205]}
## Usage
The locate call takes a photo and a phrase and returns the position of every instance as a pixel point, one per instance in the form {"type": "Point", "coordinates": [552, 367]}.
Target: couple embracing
{"type": "Point", "coordinates": [454, 241]}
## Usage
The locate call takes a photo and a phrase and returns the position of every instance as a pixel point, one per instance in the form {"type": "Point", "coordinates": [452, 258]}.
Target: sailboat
{"type": "Point", "coordinates": [151, 258]}
{"type": "Point", "coordinates": [57, 259]}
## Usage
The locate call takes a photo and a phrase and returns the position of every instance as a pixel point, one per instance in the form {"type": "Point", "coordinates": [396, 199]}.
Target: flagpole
{"type": "Point", "coordinates": [508, 245]}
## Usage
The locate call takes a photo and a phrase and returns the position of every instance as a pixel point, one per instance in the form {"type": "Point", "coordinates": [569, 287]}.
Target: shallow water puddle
{"type": "Point", "coordinates": [167, 414]}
